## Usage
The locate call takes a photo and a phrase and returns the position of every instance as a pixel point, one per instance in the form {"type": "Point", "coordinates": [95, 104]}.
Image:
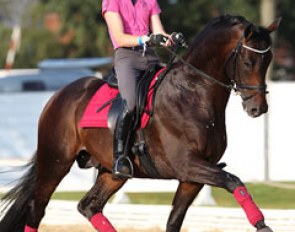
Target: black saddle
{"type": "Point", "coordinates": [141, 95]}
{"type": "Point", "coordinates": [137, 142]}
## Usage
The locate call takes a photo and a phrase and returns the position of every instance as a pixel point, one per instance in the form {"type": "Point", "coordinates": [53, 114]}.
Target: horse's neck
{"type": "Point", "coordinates": [211, 61]}
{"type": "Point", "coordinates": [185, 94]}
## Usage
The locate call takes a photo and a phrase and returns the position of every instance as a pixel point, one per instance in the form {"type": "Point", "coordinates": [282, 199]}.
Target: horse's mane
{"type": "Point", "coordinates": [227, 21]}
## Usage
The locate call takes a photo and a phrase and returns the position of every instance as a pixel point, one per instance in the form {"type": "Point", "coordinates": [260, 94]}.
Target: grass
{"type": "Point", "coordinates": [265, 196]}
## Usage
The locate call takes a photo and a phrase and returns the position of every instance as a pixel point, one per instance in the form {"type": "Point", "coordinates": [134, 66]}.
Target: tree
{"type": "Point", "coordinates": [83, 32]}
{"type": "Point", "coordinates": [83, 20]}
{"type": "Point", "coordinates": [11, 15]}
{"type": "Point", "coordinates": [287, 27]}
{"type": "Point", "coordinates": [4, 38]}
{"type": "Point", "coordinates": [191, 17]}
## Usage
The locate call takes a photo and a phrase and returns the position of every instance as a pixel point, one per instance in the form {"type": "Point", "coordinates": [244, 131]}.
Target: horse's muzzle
{"type": "Point", "coordinates": [255, 110]}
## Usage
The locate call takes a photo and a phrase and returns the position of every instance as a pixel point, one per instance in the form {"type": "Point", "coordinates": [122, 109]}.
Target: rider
{"type": "Point", "coordinates": [130, 23]}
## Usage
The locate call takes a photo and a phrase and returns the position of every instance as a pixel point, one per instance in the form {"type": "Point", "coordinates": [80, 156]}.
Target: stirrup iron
{"type": "Point", "coordinates": [119, 174]}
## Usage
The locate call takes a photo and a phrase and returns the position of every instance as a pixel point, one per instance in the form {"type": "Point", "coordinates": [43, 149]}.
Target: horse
{"type": "Point", "coordinates": [186, 135]}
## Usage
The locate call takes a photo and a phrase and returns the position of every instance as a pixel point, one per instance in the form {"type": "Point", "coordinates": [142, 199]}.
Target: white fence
{"type": "Point", "coordinates": [198, 219]}
{"type": "Point", "coordinates": [245, 155]}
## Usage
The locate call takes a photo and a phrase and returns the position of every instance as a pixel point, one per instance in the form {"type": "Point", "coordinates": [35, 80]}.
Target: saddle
{"type": "Point", "coordinates": [112, 105]}
{"type": "Point", "coordinates": [138, 147]}
{"type": "Point", "coordinates": [142, 90]}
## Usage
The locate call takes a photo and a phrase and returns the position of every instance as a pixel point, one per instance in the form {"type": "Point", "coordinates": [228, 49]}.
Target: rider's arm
{"type": "Point", "coordinates": [115, 25]}
{"type": "Point", "coordinates": [157, 27]}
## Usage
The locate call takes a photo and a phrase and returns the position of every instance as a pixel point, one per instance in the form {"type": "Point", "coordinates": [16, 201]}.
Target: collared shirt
{"type": "Point", "coordinates": [135, 18]}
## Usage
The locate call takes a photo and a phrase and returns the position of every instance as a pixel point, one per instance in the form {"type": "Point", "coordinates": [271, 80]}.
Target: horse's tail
{"type": "Point", "coordinates": [15, 203]}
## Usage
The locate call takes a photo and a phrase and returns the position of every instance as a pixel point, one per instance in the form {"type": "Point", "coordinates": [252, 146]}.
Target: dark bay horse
{"type": "Point", "coordinates": [186, 135]}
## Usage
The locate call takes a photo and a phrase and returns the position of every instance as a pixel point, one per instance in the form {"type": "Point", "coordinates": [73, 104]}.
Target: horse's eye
{"type": "Point", "coordinates": [248, 64]}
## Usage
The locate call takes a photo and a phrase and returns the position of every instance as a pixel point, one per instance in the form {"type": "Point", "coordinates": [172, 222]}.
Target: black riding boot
{"type": "Point", "coordinates": [122, 166]}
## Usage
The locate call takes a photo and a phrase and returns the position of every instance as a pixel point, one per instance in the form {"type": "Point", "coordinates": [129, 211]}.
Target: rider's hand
{"type": "Point", "coordinates": [157, 40]}
{"type": "Point", "coordinates": [178, 39]}
{"type": "Point", "coordinates": [145, 39]}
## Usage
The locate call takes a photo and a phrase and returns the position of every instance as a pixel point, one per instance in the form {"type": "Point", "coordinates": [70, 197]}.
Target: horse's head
{"type": "Point", "coordinates": [248, 64]}
{"type": "Point", "coordinates": [235, 54]}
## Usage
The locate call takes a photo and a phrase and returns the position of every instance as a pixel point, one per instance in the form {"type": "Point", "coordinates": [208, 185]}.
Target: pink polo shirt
{"type": "Point", "coordinates": [135, 18]}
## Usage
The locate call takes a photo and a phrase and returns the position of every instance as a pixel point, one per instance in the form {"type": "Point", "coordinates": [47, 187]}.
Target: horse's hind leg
{"type": "Point", "coordinates": [93, 202]}
{"type": "Point", "coordinates": [206, 173]}
{"type": "Point", "coordinates": [186, 193]}
{"type": "Point", "coordinates": [50, 170]}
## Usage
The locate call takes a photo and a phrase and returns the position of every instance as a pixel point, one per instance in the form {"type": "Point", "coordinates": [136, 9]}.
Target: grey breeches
{"type": "Point", "coordinates": [130, 65]}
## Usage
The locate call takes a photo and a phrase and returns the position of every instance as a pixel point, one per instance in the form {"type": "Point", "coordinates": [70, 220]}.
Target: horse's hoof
{"type": "Point", "coordinates": [265, 229]}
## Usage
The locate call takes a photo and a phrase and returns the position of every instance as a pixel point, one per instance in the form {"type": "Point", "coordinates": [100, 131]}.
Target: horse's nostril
{"type": "Point", "coordinates": [254, 110]}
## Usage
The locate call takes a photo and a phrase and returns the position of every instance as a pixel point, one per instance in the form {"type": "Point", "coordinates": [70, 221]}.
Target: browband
{"type": "Point", "coordinates": [256, 50]}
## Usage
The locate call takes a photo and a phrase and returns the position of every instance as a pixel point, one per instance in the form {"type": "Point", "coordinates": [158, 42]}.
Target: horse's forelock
{"type": "Point", "coordinates": [260, 34]}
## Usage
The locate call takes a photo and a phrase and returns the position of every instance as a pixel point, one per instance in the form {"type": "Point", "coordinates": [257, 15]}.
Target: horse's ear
{"type": "Point", "coordinates": [249, 31]}
{"type": "Point", "coordinates": [274, 26]}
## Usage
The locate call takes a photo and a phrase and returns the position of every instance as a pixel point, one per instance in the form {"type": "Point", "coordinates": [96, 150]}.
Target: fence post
{"type": "Point", "coordinates": [205, 197]}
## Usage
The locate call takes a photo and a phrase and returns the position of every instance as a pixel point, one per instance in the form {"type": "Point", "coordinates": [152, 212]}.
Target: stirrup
{"type": "Point", "coordinates": [125, 161]}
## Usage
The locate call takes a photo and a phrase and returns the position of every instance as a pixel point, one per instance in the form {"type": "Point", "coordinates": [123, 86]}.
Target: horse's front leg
{"type": "Point", "coordinates": [186, 193]}
{"type": "Point", "coordinates": [235, 186]}
{"type": "Point", "coordinates": [93, 202]}
{"type": "Point", "coordinates": [201, 171]}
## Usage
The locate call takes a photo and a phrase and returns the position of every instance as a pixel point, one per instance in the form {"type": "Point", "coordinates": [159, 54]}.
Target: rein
{"type": "Point", "coordinates": [234, 55]}
{"type": "Point", "coordinates": [199, 72]}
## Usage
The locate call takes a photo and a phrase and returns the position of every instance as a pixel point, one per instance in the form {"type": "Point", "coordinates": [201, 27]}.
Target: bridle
{"type": "Point", "coordinates": [234, 57]}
